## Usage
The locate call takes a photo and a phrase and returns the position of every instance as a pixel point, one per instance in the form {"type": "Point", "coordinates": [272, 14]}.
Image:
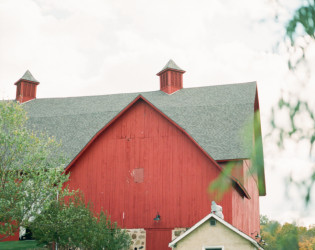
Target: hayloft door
{"type": "Point", "coordinates": [158, 239]}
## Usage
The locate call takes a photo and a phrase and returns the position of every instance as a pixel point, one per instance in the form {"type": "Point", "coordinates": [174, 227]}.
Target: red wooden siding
{"type": "Point", "coordinates": [176, 174]}
{"type": "Point", "coordinates": [171, 80]}
{"type": "Point", "coordinates": [26, 90]}
{"type": "Point", "coordinates": [245, 215]}
{"type": "Point", "coordinates": [14, 237]}
{"type": "Point", "coordinates": [158, 239]}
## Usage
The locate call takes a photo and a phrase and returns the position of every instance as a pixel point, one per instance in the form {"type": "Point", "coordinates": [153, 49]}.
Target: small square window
{"type": "Point", "coordinates": [213, 222]}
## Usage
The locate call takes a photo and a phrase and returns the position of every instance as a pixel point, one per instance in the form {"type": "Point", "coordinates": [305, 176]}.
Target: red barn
{"type": "Point", "coordinates": [149, 158]}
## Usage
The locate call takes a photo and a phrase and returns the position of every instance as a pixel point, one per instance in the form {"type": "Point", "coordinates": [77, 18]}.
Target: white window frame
{"type": "Point", "coordinates": [212, 247]}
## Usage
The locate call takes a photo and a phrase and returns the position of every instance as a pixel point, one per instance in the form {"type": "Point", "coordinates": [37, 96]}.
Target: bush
{"type": "Point", "coordinates": [71, 224]}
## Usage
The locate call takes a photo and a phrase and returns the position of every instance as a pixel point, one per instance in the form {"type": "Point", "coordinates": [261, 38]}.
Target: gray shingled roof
{"type": "Point", "coordinates": [171, 65]}
{"type": "Point", "coordinates": [213, 116]}
{"type": "Point", "coordinates": [28, 76]}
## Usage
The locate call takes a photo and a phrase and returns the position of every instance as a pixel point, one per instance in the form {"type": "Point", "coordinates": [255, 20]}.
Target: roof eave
{"type": "Point", "coordinates": [170, 69]}
{"type": "Point", "coordinates": [20, 80]}
{"type": "Point", "coordinates": [260, 172]}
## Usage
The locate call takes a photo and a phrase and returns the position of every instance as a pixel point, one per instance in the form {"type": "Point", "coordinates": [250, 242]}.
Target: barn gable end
{"type": "Point", "coordinates": [234, 178]}
{"type": "Point", "coordinates": [135, 143]}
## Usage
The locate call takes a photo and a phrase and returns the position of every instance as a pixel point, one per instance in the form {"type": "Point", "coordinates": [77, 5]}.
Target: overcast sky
{"type": "Point", "coordinates": [96, 47]}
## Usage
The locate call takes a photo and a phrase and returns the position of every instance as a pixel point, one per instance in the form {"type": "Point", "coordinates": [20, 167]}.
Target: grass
{"type": "Point", "coordinates": [23, 244]}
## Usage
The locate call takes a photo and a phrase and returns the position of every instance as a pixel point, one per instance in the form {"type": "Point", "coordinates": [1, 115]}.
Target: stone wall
{"type": "Point", "coordinates": [178, 232]}
{"type": "Point", "coordinates": [138, 237]}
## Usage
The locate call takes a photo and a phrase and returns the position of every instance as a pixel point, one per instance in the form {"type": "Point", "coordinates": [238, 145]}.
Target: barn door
{"type": "Point", "coordinates": [158, 239]}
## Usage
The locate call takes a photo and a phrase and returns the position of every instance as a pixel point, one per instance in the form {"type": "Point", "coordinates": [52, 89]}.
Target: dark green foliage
{"type": "Point", "coordinates": [287, 236]}
{"type": "Point", "coordinates": [72, 224]}
{"type": "Point", "coordinates": [300, 27]}
{"type": "Point", "coordinates": [30, 170]}
{"type": "Point", "coordinates": [305, 17]}
{"type": "Point", "coordinates": [108, 236]}
{"type": "Point", "coordinates": [263, 220]}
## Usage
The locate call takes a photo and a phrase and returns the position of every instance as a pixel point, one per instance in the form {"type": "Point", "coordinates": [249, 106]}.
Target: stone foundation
{"type": "Point", "coordinates": [178, 232]}
{"type": "Point", "coordinates": [138, 237]}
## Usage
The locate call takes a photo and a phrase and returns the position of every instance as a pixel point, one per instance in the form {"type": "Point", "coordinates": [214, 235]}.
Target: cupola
{"type": "Point", "coordinates": [26, 88]}
{"type": "Point", "coordinates": [171, 77]}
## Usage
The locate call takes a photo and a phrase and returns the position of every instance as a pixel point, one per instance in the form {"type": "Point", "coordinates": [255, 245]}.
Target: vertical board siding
{"type": "Point", "coordinates": [14, 237]}
{"type": "Point", "coordinates": [245, 214]}
{"type": "Point", "coordinates": [176, 173]}
{"type": "Point", "coordinates": [158, 239]}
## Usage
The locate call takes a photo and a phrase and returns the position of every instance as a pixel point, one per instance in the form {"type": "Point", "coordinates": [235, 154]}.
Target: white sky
{"type": "Point", "coordinates": [96, 47]}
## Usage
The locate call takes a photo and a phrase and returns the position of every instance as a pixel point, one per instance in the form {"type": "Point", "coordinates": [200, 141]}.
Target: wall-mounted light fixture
{"type": "Point", "coordinates": [257, 236]}
{"type": "Point", "coordinates": [157, 217]}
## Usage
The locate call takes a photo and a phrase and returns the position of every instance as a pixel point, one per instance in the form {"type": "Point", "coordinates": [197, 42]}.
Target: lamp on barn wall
{"type": "Point", "coordinates": [257, 236]}
{"type": "Point", "coordinates": [157, 217]}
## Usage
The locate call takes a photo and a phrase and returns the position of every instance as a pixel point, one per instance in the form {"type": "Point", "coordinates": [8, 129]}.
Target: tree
{"type": "Point", "coordinates": [287, 236]}
{"type": "Point", "coordinates": [269, 230]}
{"type": "Point", "coordinates": [299, 37]}
{"type": "Point", "coordinates": [71, 224]}
{"type": "Point", "coordinates": [31, 170]}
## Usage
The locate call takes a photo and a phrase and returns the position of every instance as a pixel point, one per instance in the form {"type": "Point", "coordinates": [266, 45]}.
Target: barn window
{"type": "Point", "coordinates": [138, 175]}
{"type": "Point", "coordinates": [213, 222]}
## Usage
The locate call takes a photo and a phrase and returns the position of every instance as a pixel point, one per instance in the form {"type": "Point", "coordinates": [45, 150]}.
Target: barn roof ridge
{"type": "Point", "coordinates": [149, 91]}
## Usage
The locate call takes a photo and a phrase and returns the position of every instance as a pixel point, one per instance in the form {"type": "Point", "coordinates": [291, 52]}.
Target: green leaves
{"type": "Point", "coordinates": [286, 236]}
{"type": "Point", "coordinates": [223, 182]}
{"type": "Point", "coordinates": [71, 224]}
{"type": "Point", "coordinates": [305, 17]}
{"type": "Point", "coordinates": [31, 169]}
